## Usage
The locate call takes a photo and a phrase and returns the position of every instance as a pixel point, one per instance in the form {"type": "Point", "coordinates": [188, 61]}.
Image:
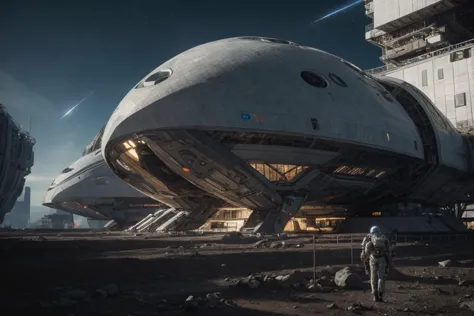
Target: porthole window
{"type": "Point", "coordinates": [313, 79]}
{"type": "Point", "coordinates": [337, 80]}
{"type": "Point", "coordinates": [67, 170]}
{"type": "Point", "coordinates": [155, 78]}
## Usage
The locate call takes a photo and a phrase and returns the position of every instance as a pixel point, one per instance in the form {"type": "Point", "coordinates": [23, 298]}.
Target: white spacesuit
{"type": "Point", "coordinates": [377, 249]}
{"type": "Point", "coordinates": [363, 258]}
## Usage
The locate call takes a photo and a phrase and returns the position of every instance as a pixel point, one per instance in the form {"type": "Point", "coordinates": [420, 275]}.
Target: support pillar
{"type": "Point", "coordinates": [275, 220]}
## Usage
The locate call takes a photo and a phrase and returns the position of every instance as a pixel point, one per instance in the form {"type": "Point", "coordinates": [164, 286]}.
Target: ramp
{"type": "Point", "coordinates": [152, 221]}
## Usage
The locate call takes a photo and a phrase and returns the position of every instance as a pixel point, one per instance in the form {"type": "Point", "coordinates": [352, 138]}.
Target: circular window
{"type": "Point", "coordinates": [313, 79]}
{"type": "Point", "coordinates": [337, 80]}
{"type": "Point", "coordinates": [156, 78]}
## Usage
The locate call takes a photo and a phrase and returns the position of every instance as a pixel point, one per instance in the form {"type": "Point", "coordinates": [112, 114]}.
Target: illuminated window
{"type": "Point", "coordinates": [130, 150]}
{"type": "Point", "coordinates": [359, 172]}
{"type": "Point", "coordinates": [277, 172]}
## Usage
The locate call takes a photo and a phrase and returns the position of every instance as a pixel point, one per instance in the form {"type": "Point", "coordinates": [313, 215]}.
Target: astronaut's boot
{"type": "Point", "coordinates": [376, 296]}
{"type": "Point", "coordinates": [380, 296]}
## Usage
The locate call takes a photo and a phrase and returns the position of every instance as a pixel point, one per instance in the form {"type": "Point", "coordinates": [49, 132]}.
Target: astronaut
{"type": "Point", "coordinates": [363, 258]}
{"type": "Point", "coordinates": [378, 251]}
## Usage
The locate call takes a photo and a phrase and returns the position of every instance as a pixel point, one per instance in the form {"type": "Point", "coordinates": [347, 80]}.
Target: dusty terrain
{"type": "Point", "coordinates": [119, 274]}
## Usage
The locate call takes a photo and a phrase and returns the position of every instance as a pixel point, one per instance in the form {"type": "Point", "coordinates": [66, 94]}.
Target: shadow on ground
{"type": "Point", "coordinates": [32, 269]}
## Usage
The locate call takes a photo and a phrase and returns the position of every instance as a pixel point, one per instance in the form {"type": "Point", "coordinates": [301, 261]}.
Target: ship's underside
{"type": "Point", "coordinates": [258, 171]}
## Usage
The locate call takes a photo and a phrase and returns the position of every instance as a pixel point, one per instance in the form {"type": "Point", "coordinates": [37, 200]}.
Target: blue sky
{"type": "Point", "coordinates": [54, 53]}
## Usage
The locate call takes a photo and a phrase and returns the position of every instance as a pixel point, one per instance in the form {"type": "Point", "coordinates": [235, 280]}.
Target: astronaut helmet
{"type": "Point", "coordinates": [375, 230]}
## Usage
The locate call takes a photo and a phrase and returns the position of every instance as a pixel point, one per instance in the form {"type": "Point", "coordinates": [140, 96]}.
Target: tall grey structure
{"type": "Point", "coordinates": [428, 43]}
{"type": "Point", "coordinates": [16, 160]}
{"type": "Point", "coordinates": [19, 216]}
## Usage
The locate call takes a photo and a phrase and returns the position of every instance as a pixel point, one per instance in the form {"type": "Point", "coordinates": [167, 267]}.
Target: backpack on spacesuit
{"type": "Point", "coordinates": [380, 244]}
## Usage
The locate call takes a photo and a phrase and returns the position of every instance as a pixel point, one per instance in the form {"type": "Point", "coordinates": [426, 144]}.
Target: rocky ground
{"type": "Point", "coordinates": [119, 274]}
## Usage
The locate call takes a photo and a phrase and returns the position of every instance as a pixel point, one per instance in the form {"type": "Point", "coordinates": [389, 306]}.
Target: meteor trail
{"type": "Point", "coordinates": [337, 11]}
{"type": "Point", "coordinates": [72, 109]}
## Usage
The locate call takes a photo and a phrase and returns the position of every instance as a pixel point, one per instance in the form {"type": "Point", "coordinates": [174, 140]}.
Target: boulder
{"type": "Point", "coordinates": [346, 278]}
{"type": "Point", "coordinates": [468, 305]}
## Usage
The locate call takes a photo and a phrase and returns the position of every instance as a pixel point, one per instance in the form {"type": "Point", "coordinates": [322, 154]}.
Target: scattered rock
{"type": "Point", "coordinates": [331, 306]}
{"type": "Point", "coordinates": [40, 238]}
{"type": "Point", "coordinates": [111, 289]}
{"type": "Point", "coordinates": [469, 305]}
{"type": "Point", "coordinates": [299, 245]}
{"type": "Point", "coordinates": [315, 287]}
{"type": "Point", "coordinates": [277, 244]}
{"type": "Point", "coordinates": [326, 281]}
{"type": "Point", "coordinates": [446, 263]}
{"type": "Point", "coordinates": [291, 279]}
{"type": "Point", "coordinates": [254, 284]}
{"type": "Point", "coordinates": [223, 265]}
{"type": "Point", "coordinates": [213, 299]}
{"type": "Point", "coordinates": [191, 303]}
{"type": "Point", "coordinates": [358, 307]}
{"type": "Point", "coordinates": [230, 303]}
{"type": "Point", "coordinates": [345, 278]}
